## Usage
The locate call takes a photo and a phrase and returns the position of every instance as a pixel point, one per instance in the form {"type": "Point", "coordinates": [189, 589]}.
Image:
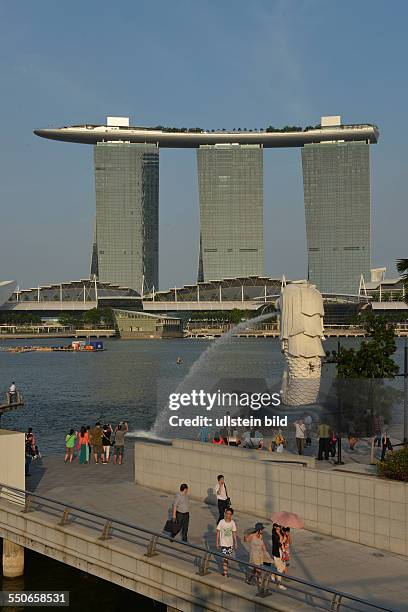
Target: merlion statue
{"type": "Point", "coordinates": [301, 330]}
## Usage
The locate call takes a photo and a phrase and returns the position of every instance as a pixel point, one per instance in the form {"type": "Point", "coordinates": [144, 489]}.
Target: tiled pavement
{"type": "Point", "coordinates": [108, 489]}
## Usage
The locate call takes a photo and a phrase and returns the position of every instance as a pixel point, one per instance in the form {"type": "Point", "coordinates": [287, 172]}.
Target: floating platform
{"type": "Point", "coordinates": [78, 346]}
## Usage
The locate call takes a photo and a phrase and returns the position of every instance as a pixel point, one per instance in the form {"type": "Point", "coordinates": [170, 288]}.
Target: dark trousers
{"type": "Point", "coordinates": [300, 443]}
{"type": "Point", "coordinates": [377, 439]}
{"type": "Point", "coordinates": [28, 460]}
{"type": "Point", "coordinates": [323, 448]}
{"type": "Point", "coordinates": [222, 506]}
{"type": "Point", "coordinates": [182, 519]}
{"type": "Point", "coordinates": [385, 446]}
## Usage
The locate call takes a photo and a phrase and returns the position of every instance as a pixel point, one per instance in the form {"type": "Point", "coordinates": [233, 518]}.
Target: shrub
{"type": "Point", "coordinates": [395, 465]}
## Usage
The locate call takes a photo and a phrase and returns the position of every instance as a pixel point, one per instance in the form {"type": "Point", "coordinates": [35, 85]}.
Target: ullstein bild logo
{"type": "Point", "coordinates": [218, 399]}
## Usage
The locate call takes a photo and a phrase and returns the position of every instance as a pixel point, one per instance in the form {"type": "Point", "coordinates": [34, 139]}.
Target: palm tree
{"type": "Point", "coordinates": [402, 267]}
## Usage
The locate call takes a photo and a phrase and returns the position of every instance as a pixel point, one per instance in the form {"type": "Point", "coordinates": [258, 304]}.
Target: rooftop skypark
{"type": "Point", "coordinates": [118, 129]}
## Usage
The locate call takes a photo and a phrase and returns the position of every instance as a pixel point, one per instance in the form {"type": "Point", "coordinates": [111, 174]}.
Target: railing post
{"type": "Point", "coordinates": [27, 504]}
{"type": "Point", "coordinates": [203, 566]}
{"type": "Point", "coordinates": [105, 535]}
{"type": "Point", "coordinates": [151, 549]}
{"type": "Point", "coordinates": [64, 518]}
{"type": "Point", "coordinates": [263, 584]}
{"type": "Point", "coordinates": [335, 603]}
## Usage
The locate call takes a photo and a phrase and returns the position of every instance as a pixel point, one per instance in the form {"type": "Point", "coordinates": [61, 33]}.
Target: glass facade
{"type": "Point", "coordinates": [336, 180]}
{"type": "Point", "coordinates": [127, 214]}
{"type": "Point", "coordinates": [230, 181]}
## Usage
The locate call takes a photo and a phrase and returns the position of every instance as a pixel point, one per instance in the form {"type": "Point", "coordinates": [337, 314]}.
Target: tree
{"type": "Point", "coordinates": [107, 317]}
{"type": "Point", "coordinates": [70, 320]}
{"type": "Point", "coordinates": [373, 358]}
{"type": "Point", "coordinates": [402, 267]}
{"type": "Point", "coordinates": [92, 318]}
{"type": "Point", "coordinates": [361, 378]}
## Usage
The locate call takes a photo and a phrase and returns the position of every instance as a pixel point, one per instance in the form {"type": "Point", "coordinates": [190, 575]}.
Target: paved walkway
{"type": "Point", "coordinates": [345, 566]}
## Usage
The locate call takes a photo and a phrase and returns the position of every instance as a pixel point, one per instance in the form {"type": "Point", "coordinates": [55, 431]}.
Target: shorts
{"type": "Point", "coordinates": [69, 449]}
{"type": "Point", "coordinates": [227, 550]}
{"type": "Point", "coordinates": [119, 450]}
{"type": "Point", "coordinates": [279, 564]}
{"type": "Point", "coordinates": [97, 448]}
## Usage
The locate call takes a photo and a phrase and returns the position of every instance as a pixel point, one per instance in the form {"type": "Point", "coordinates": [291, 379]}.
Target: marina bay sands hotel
{"type": "Point", "coordinates": [336, 178]}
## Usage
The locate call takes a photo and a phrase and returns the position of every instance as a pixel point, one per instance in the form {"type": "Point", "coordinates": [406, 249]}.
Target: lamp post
{"type": "Point", "coordinates": [339, 419]}
{"type": "Point", "coordinates": [333, 360]}
{"type": "Point", "coordinates": [405, 437]}
{"type": "Point", "coordinates": [405, 415]}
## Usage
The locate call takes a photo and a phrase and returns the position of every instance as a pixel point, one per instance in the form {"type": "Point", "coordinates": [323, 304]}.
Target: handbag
{"type": "Point", "coordinates": [172, 527]}
{"type": "Point", "coordinates": [228, 500]}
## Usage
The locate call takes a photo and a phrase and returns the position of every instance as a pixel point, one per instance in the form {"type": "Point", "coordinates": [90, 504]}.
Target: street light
{"type": "Point", "coordinates": [405, 416]}
{"type": "Point", "coordinates": [333, 360]}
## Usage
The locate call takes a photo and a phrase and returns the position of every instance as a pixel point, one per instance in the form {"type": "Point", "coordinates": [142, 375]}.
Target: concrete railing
{"type": "Point", "coordinates": [358, 508]}
{"type": "Point", "coordinates": [117, 555]}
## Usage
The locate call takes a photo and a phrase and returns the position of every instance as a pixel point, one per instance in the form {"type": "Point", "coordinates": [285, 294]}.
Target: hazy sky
{"type": "Point", "coordinates": [210, 63]}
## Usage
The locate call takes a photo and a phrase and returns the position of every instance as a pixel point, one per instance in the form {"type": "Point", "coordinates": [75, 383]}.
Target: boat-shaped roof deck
{"type": "Point", "coordinates": [171, 138]}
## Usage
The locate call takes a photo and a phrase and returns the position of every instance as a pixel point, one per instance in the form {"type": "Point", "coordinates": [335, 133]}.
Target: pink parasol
{"type": "Point", "coordinates": [288, 519]}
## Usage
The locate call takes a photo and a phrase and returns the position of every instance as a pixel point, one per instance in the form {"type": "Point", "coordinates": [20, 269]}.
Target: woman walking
{"type": "Point", "coordinates": [277, 541]}
{"type": "Point", "coordinates": [69, 445]}
{"type": "Point", "coordinates": [106, 442]}
{"type": "Point", "coordinates": [83, 439]}
{"type": "Point", "coordinates": [285, 546]}
{"type": "Point", "coordinates": [258, 553]}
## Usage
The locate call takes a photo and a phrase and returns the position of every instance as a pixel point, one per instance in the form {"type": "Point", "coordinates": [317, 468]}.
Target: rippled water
{"type": "Point", "coordinates": [130, 381]}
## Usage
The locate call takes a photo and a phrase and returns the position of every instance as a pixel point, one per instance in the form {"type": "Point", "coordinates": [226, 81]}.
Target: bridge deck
{"type": "Point", "coordinates": [345, 566]}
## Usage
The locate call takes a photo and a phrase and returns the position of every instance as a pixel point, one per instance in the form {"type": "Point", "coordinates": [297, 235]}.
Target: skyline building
{"type": "Point", "coordinates": [126, 237]}
{"type": "Point", "coordinates": [336, 179]}
{"type": "Point", "coordinates": [230, 182]}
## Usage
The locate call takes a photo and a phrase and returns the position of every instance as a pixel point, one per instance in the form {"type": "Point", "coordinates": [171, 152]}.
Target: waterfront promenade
{"type": "Point", "coordinates": [363, 571]}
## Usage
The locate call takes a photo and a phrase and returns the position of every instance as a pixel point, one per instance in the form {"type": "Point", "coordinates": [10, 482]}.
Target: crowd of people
{"type": "Point", "coordinates": [227, 535]}
{"type": "Point", "coordinates": [97, 442]}
{"type": "Point", "coordinates": [327, 438]}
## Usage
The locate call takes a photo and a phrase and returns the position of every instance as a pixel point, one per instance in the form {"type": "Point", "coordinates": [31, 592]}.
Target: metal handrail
{"type": "Point", "coordinates": [109, 522]}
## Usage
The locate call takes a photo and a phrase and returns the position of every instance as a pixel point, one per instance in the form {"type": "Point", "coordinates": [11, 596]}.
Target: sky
{"type": "Point", "coordinates": [213, 64]}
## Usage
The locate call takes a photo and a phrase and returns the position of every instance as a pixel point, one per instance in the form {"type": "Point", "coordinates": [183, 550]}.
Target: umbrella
{"type": "Point", "coordinates": [288, 519]}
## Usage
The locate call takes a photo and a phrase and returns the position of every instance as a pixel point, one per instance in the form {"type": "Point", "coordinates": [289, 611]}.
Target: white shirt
{"type": "Point", "coordinates": [300, 430]}
{"type": "Point", "coordinates": [220, 491]}
{"type": "Point", "coordinates": [226, 530]}
{"type": "Point", "coordinates": [12, 388]}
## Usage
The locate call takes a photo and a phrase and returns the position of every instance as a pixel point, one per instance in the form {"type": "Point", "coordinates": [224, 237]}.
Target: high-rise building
{"type": "Point", "coordinates": [230, 181]}
{"type": "Point", "coordinates": [126, 241]}
{"type": "Point", "coordinates": [336, 179]}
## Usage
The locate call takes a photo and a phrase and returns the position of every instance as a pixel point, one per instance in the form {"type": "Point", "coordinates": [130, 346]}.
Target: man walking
{"type": "Point", "coordinates": [222, 497]}
{"type": "Point", "coordinates": [300, 429]}
{"type": "Point", "coordinates": [323, 433]}
{"type": "Point", "coordinates": [227, 538]}
{"type": "Point", "coordinates": [181, 510]}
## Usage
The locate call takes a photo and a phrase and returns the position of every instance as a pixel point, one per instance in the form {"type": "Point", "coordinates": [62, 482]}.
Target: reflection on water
{"type": "Point", "coordinates": [86, 592]}
{"type": "Point", "coordinates": [130, 381]}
